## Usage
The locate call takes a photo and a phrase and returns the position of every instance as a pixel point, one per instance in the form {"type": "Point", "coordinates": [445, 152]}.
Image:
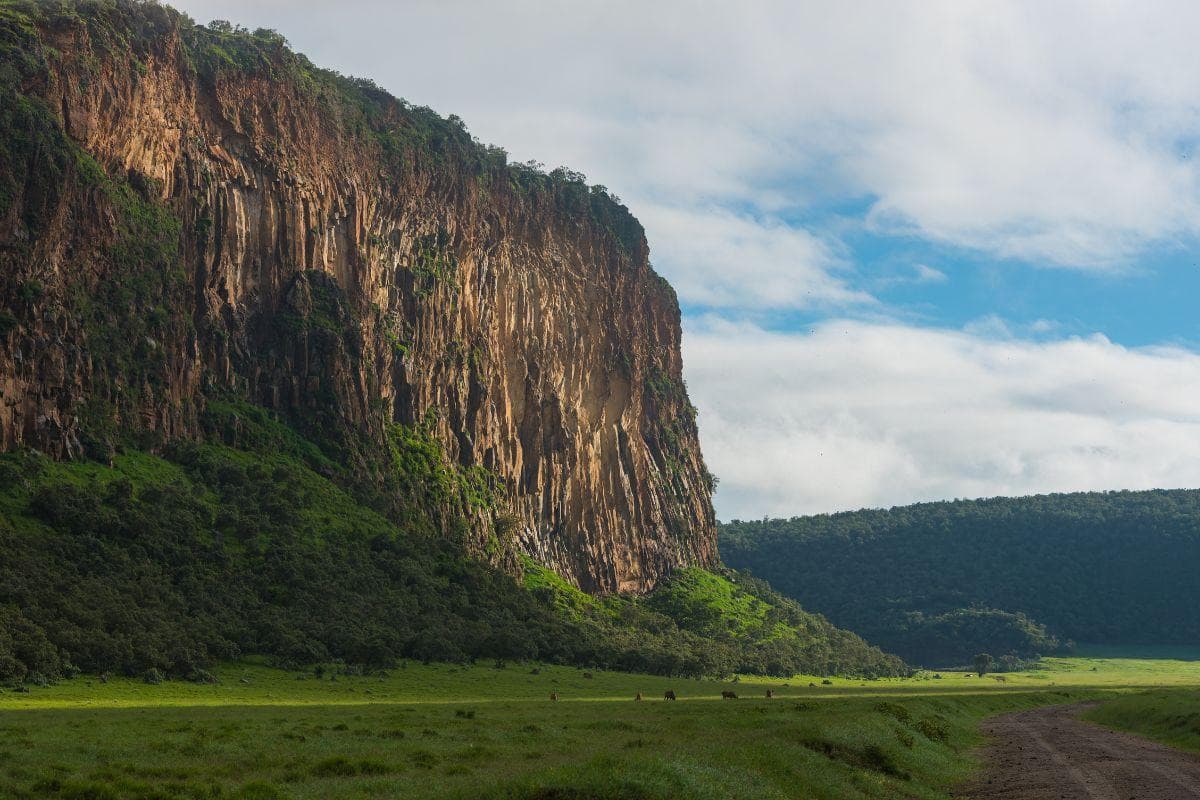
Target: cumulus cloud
{"type": "Point", "coordinates": [1061, 133]}
{"type": "Point", "coordinates": [855, 414]}
{"type": "Point", "coordinates": [745, 262]}
{"type": "Point", "coordinates": [756, 139]}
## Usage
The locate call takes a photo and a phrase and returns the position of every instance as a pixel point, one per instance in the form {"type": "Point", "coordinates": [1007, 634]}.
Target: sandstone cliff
{"type": "Point", "coordinates": [190, 213]}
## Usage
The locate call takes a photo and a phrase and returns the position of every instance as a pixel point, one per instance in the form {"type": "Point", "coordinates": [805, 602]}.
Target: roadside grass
{"type": "Point", "coordinates": [478, 731]}
{"type": "Point", "coordinates": [1126, 672]}
{"type": "Point", "coordinates": [1171, 716]}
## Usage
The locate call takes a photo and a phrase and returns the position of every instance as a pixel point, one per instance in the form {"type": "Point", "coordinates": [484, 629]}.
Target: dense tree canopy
{"type": "Point", "coordinates": [171, 562]}
{"type": "Point", "coordinates": [939, 582]}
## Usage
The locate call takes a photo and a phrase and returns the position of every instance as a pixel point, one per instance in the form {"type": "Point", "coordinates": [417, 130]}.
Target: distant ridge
{"type": "Point", "coordinates": [939, 582]}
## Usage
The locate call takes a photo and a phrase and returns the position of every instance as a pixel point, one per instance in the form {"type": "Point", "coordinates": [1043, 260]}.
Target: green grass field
{"type": "Point", "coordinates": [1168, 715]}
{"type": "Point", "coordinates": [452, 731]}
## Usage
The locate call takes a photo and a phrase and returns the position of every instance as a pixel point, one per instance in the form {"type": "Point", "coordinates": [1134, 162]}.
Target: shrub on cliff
{"type": "Point", "coordinates": [24, 648]}
{"type": "Point", "coordinates": [173, 563]}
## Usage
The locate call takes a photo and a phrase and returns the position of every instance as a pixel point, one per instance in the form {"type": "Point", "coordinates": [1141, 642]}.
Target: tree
{"type": "Point", "coordinates": [983, 664]}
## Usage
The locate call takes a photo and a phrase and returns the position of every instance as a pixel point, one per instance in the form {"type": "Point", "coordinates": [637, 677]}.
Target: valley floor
{"type": "Point", "coordinates": [453, 731]}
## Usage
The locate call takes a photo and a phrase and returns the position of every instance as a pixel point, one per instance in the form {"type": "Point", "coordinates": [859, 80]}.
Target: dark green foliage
{"type": "Point", "coordinates": [934, 728]}
{"type": "Point", "coordinates": [766, 633]}
{"type": "Point", "coordinates": [341, 767]}
{"type": "Point", "coordinates": [939, 582]}
{"type": "Point", "coordinates": [898, 712]}
{"type": "Point", "coordinates": [169, 565]}
{"type": "Point", "coordinates": [715, 624]}
{"type": "Point", "coordinates": [869, 757]}
{"type": "Point", "coordinates": [343, 543]}
{"type": "Point", "coordinates": [433, 262]}
{"type": "Point", "coordinates": [164, 565]}
{"type": "Point", "coordinates": [34, 153]}
{"type": "Point", "coordinates": [24, 649]}
{"type": "Point", "coordinates": [133, 315]}
{"type": "Point", "coordinates": [950, 639]}
{"type": "Point", "coordinates": [982, 664]}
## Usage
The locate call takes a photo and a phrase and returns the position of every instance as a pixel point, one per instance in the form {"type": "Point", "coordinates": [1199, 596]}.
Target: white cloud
{"type": "Point", "coordinates": [927, 274]}
{"type": "Point", "coordinates": [1045, 131]}
{"type": "Point", "coordinates": [856, 414]}
{"type": "Point", "coordinates": [1062, 133]}
{"type": "Point", "coordinates": [716, 258]}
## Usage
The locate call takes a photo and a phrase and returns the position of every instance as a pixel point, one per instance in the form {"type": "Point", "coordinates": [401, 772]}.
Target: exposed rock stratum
{"type": "Point", "coordinates": [193, 212]}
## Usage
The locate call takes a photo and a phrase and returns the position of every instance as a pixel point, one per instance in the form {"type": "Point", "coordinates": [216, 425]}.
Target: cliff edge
{"type": "Point", "coordinates": [195, 215]}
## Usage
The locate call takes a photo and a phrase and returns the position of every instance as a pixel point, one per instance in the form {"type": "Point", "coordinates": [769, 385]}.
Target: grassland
{"type": "Point", "coordinates": [479, 731]}
{"type": "Point", "coordinates": [1168, 715]}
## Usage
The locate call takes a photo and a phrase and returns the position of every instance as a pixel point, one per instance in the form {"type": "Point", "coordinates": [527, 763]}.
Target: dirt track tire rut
{"type": "Point", "coordinates": [1051, 754]}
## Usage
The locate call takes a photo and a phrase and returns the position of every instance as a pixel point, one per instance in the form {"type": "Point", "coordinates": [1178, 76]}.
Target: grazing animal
{"type": "Point", "coordinates": [554, 695]}
{"type": "Point", "coordinates": [812, 685]}
{"type": "Point", "coordinates": [104, 677]}
{"type": "Point", "coordinates": [770, 694]}
{"type": "Point", "coordinates": [728, 695]}
{"type": "Point", "coordinates": [639, 696]}
{"type": "Point", "coordinates": [669, 694]}
{"type": "Point", "coordinates": [587, 675]}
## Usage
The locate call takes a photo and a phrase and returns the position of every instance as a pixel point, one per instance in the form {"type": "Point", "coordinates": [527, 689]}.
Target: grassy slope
{"type": "Point", "coordinates": [451, 731]}
{"type": "Point", "coordinates": [1168, 715]}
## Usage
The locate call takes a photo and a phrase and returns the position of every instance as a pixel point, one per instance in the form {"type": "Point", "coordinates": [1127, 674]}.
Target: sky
{"type": "Point", "coordinates": [923, 250]}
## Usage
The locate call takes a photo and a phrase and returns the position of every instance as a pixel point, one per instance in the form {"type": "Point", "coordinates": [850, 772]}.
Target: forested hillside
{"type": "Point", "coordinates": [939, 582]}
{"type": "Point", "coordinates": [242, 545]}
{"type": "Point", "coordinates": [291, 367]}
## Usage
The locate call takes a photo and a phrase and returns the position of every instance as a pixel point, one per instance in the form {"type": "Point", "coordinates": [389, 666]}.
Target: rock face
{"type": "Point", "coordinates": [189, 213]}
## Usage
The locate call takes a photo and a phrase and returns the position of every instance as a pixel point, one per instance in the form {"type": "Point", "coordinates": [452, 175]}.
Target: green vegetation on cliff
{"type": "Point", "coordinates": [726, 623]}
{"type": "Point", "coordinates": [186, 524]}
{"type": "Point", "coordinates": [136, 321]}
{"type": "Point", "coordinates": [940, 582]}
{"type": "Point", "coordinates": [132, 296]}
{"type": "Point", "coordinates": [209, 551]}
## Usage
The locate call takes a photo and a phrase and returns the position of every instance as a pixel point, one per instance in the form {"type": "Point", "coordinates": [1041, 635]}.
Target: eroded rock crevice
{"type": "Point", "coordinates": [304, 263]}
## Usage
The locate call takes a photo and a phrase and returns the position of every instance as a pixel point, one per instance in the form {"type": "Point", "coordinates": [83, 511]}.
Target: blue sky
{"type": "Point", "coordinates": [923, 250]}
{"type": "Point", "coordinates": [1150, 301]}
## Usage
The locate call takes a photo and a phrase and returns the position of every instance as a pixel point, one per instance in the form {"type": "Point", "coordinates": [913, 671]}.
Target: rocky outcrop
{"type": "Point", "coordinates": [189, 213]}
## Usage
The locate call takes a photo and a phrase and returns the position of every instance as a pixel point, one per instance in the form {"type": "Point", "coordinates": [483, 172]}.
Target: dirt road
{"type": "Point", "coordinates": [1050, 754]}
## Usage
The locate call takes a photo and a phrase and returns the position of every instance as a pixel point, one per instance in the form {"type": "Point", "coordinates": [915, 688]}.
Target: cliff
{"type": "Point", "coordinates": [193, 216]}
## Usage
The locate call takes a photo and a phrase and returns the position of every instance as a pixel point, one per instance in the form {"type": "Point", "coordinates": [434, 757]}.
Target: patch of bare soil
{"type": "Point", "coordinates": [1050, 754]}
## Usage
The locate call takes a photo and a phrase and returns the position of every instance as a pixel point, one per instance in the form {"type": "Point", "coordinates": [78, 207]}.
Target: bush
{"type": "Point", "coordinates": [202, 676]}
{"type": "Point", "coordinates": [160, 567]}
{"type": "Point", "coordinates": [934, 728]}
{"type": "Point", "coordinates": [26, 653]}
{"type": "Point", "coordinates": [8, 323]}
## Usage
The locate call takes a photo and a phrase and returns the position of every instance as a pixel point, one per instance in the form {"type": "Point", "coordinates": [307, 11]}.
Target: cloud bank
{"type": "Point", "coordinates": [854, 414]}
{"type": "Point", "coordinates": [1062, 133]}
{"type": "Point", "coordinates": [758, 141]}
